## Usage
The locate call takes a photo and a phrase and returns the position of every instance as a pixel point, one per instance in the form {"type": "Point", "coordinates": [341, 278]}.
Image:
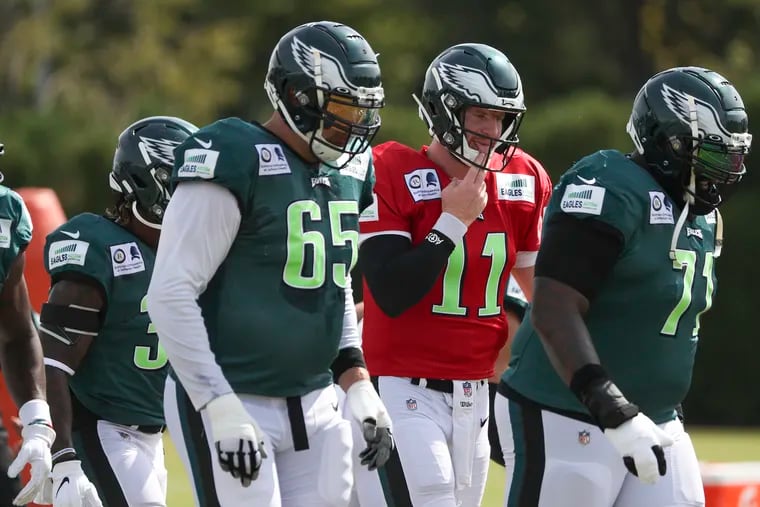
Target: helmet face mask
{"type": "Point", "coordinates": [690, 126]}
{"type": "Point", "coordinates": [325, 82]}
{"type": "Point", "coordinates": [484, 145]}
{"type": "Point", "coordinates": [346, 126]}
{"type": "Point", "coordinates": [143, 164]}
{"type": "Point", "coordinates": [470, 76]}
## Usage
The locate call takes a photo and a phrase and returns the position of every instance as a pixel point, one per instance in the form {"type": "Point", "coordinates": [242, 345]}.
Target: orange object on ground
{"type": "Point", "coordinates": [731, 484]}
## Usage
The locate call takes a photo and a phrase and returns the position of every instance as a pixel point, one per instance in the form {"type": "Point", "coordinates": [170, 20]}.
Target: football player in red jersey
{"type": "Point", "coordinates": [437, 247]}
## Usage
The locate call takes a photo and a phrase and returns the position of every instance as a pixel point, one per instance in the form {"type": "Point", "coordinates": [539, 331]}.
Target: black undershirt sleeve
{"type": "Point", "coordinates": [399, 274]}
{"type": "Point", "coordinates": [578, 252]}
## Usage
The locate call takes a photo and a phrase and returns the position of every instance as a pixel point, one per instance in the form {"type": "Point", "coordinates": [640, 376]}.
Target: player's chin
{"type": "Point", "coordinates": [482, 162]}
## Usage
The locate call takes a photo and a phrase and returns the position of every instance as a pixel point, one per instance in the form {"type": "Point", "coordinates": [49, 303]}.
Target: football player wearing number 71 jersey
{"type": "Point", "coordinates": [437, 249]}
{"type": "Point", "coordinates": [587, 410]}
{"type": "Point", "coordinates": [105, 368]}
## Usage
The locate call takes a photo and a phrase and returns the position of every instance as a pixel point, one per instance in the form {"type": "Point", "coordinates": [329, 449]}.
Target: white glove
{"type": "Point", "coordinates": [377, 429]}
{"type": "Point", "coordinates": [38, 435]}
{"type": "Point", "coordinates": [640, 442]}
{"type": "Point", "coordinates": [239, 441]}
{"type": "Point", "coordinates": [70, 487]}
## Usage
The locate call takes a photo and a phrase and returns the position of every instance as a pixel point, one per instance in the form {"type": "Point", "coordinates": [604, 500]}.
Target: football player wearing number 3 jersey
{"type": "Point", "coordinates": [437, 248]}
{"type": "Point", "coordinates": [587, 410]}
{"type": "Point", "coordinates": [105, 368]}
{"type": "Point", "coordinates": [251, 294]}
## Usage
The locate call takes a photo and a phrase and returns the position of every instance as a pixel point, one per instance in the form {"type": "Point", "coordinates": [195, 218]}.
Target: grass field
{"type": "Point", "coordinates": [712, 444]}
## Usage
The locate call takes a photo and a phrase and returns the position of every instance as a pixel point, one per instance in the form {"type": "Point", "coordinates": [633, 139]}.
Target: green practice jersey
{"type": "Point", "coordinates": [644, 321]}
{"type": "Point", "coordinates": [274, 309]}
{"type": "Point", "coordinates": [15, 229]}
{"type": "Point", "coordinates": [121, 379]}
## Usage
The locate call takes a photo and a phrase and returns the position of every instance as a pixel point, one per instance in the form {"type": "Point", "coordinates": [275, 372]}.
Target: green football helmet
{"type": "Point", "coordinates": [143, 164]}
{"type": "Point", "coordinates": [690, 126]}
{"type": "Point", "coordinates": [325, 81]}
{"type": "Point", "coordinates": [472, 75]}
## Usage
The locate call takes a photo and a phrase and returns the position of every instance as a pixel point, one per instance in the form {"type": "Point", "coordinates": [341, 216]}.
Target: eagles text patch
{"type": "Point", "coordinates": [199, 164]}
{"type": "Point", "coordinates": [586, 199]}
{"type": "Point", "coordinates": [67, 252]}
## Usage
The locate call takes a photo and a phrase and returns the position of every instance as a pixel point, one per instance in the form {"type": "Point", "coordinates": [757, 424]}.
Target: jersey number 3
{"type": "Point", "coordinates": [495, 247]}
{"type": "Point", "coordinates": [149, 357]}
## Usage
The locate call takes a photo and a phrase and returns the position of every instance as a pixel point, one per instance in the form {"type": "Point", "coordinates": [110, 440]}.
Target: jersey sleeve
{"type": "Point", "coordinates": [222, 153]}
{"type": "Point", "coordinates": [366, 199]}
{"type": "Point", "coordinates": [390, 210]}
{"type": "Point", "coordinates": [15, 228]}
{"type": "Point", "coordinates": [529, 240]}
{"type": "Point", "coordinates": [77, 247]}
{"type": "Point", "coordinates": [595, 190]}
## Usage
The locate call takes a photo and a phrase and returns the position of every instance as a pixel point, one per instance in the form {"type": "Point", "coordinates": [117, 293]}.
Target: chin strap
{"type": "Point", "coordinates": [142, 220]}
{"type": "Point", "coordinates": [718, 234]}
{"type": "Point", "coordinates": [677, 230]}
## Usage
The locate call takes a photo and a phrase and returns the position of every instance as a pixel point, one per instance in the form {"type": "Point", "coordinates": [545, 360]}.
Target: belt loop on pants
{"type": "Point", "coordinates": [297, 423]}
{"type": "Point", "coordinates": [440, 385]}
{"type": "Point", "coordinates": [148, 428]}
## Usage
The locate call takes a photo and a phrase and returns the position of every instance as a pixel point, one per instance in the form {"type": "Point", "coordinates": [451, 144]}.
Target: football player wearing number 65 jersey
{"type": "Point", "coordinates": [251, 294]}
{"type": "Point", "coordinates": [105, 368]}
{"type": "Point", "coordinates": [438, 246]}
{"type": "Point", "coordinates": [587, 410]}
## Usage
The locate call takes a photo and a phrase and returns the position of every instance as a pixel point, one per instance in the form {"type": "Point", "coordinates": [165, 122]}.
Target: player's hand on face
{"type": "Point", "coordinates": [641, 443]}
{"type": "Point", "coordinates": [238, 439]}
{"type": "Point", "coordinates": [466, 198]}
{"type": "Point", "coordinates": [377, 429]}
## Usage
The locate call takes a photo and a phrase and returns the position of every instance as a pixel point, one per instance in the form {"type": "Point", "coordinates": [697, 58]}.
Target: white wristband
{"type": "Point", "coordinates": [451, 227]}
{"type": "Point", "coordinates": [34, 410]}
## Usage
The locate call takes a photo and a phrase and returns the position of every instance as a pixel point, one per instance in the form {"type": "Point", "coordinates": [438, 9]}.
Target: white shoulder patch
{"type": "Point", "coordinates": [516, 187]}
{"type": "Point", "coordinates": [67, 252]}
{"type": "Point", "coordinates": [711, 218]}
{"type": "Point", "coordinates": [198, 164]}
{"type": "Point", "coordinates": [126, 259]}
{"type": "Point", "coordinates": [423, 184]}
{"type": "Point", "coordinates": [371, 213]}
{"type": "Point", "coordinates": [357, 167]}
{"type": "Point", "coordinates": [5, 232]}
{"type": "Point", "coordinates": [587, 199]}
{"type": "Point", "coordinates": [660, 208]}
{"type": "Point", "coordinates": [272, 160]}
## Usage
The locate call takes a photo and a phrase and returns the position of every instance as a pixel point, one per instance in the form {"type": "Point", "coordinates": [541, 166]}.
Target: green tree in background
{"type": "Point", "coordinates": [73, 73]}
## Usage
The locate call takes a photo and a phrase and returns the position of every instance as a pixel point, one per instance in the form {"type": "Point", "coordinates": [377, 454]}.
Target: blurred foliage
{"type": "Point", "coordinates": [74, 73]}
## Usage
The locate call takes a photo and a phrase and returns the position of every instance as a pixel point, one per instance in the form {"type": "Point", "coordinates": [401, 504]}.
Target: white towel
{"type": "Point", "coordinates": [465, 429]}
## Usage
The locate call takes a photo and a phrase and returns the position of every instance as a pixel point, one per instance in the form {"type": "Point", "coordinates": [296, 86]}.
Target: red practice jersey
{"type": "Point", "coordinates": [457, 329]}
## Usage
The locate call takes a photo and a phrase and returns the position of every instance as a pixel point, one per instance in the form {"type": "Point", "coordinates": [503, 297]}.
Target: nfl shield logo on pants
{"type": "Point", "coordinates": [584, 437]}
{"type": "Point", "coordinates": [467, 388]}
{"type": "Point", "coordinates": [411, 404]}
